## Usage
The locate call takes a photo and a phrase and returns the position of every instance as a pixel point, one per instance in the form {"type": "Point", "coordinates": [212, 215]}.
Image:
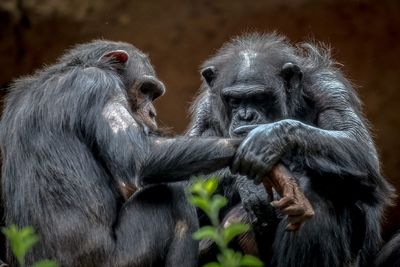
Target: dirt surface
{"type": "Point", "coordinates": [178, 35]}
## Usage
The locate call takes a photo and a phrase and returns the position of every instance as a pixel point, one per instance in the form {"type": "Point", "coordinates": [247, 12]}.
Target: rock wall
{"type": "Point", "coordinates": [179, 34]}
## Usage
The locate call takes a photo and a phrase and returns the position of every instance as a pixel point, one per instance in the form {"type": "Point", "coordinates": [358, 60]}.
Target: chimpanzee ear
{"type": "Point", "coordinates": [292, 74]}
{"type": "Point", "coordinates": [119, 57]}
{"type": "Point", "coordinates": [208, 74]}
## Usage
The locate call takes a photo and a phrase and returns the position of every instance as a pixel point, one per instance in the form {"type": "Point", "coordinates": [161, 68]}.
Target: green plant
{"type": "Point", "coordinates": [21, 241]}
{"type": "Point", "coordinates": [202, 196]}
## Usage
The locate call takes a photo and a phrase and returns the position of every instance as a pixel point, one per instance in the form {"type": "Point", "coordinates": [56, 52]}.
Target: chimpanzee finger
{"type": "Point", "coordinates": [242, 130]}
{"type": "Point", "coordinates": [255, 169]}
{"type": "Point", "coordinates": [293, 210]}
{"type": "Point", "coordinates": [245, 167]}
{"type": "Point", "coordinates": [288, 191]}
{"type": "Point", "coordinates": [269, 159]}
{"type": "Point", "coordinates": [309, 213]}
{"type": "Point", "coordinates": [239, 157]}
{"type": "Point", "coordinates": [236, 163]}
{"type": "Point", "coordinates": [261, 175]}
{"type": "Point", "coordinates": [283, 202]}
{"type": "Point", "coordinates": [256, 173]}
{"type": "Point", "coordinates": [241, 165]}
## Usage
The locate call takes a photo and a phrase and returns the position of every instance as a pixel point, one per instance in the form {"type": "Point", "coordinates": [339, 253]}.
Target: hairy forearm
{"type": "Point", "coordinates": [342, 152]}
{"type": "Point", "coordinates": [178, 158]}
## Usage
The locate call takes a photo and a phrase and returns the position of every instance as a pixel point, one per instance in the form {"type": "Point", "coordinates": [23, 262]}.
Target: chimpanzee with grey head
{"type": "Point", "coordinates": [78, 138]}
{"type": "Point", "coordinates": [313, 124]}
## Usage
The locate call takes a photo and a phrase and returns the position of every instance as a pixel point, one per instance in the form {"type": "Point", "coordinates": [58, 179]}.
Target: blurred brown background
{"type": "Point", "coordinates": [178, 35]}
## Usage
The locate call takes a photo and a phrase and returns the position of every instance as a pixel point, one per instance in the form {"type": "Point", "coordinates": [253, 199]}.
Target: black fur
{"type": "Point", "coordinates": [389, 255]}
{"type": "Point", "coordinates": [313, 124]}
{"type": "Point", "coordinates": [2, 237]}
{"type": "Point", "coordinates": [68, 136]}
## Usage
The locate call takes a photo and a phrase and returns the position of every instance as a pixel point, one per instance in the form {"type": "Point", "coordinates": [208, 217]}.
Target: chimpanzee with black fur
{"type": "Point", "coordinates": [77, 139]}
{"type": "Point", "coordinates": [313, 124]}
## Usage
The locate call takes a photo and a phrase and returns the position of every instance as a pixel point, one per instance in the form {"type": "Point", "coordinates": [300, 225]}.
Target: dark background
{"type": "Point", "coordinates": [178, 35]}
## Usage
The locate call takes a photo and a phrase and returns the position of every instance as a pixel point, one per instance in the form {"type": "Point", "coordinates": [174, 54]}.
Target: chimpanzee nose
{"type": "Point", "coordinates": [246, 115]}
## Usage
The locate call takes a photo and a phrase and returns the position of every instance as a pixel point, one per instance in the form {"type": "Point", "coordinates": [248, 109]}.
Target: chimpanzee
{"type": "Point", "coordinates": [77, 139]}
{"type": "Point", "coordinates": [312, 123]}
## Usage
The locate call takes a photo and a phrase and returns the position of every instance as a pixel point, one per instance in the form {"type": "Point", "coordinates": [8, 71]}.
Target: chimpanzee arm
{"type": "Point", "coordinates": [129, 153]}
{"type": "Point", "coordinates": [161, 159]}
{"type": "Point", "coordinates": [178, 158]}
{"type": "Point", "coordinates": [338, 148]}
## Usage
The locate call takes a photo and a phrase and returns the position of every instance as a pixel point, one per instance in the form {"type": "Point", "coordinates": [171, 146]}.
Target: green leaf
{"type": "Point", "coordinates": [213, 264]}
{"type": "Point", "coordinates": [10, 232]}
{"type": "Point", "coordinates": [26, 232]}
{"type": "Point", "coordinates": [201, 195]}
{"type": "Point", "coordinates": [200, 202]}
{"type": "Point", "coordinates": [210, 185]}
{"type": "Point", "coordinates": [197, 187]}
{"type": "Point", "coordinates": [250, 261]}
{"type": "Point", "coordinates": [217, 202]}
{"type": "Point", "coordinates": [45, 263]}
{"type": "Point", "coordinates": [229, 257]}
{"type": "Point", "coordinates": [234, 230]}
{"type": "Point", "coordinates": [21, 241]}
{"type": "Point", "coordinates": [206, 232]}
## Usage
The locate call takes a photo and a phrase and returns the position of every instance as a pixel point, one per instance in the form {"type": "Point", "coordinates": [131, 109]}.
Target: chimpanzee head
{"type": "Point", "coordinates": [251, 80]}
{"type": "Point", "coordinates": [133, 68]}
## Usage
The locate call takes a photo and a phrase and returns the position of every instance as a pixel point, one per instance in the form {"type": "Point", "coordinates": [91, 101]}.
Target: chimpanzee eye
{"type": "Point", "coordinates": [264, 98]}
{"type": "Point", "coordinates": [234, 102]}
{"type": "Point", "coordinates": [259, 99]}
{"type": "Point", "coordinates": [152, 114]}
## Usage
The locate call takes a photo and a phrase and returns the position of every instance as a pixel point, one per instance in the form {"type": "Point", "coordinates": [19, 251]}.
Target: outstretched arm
{"type": "Point", "coordinates": [136, 157]}
{"type": "Point", "coordinates": [174, 159]}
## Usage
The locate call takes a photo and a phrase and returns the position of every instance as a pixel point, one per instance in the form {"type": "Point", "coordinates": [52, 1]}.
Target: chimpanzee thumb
{"type": "Point", "coordinates": [244, 130]}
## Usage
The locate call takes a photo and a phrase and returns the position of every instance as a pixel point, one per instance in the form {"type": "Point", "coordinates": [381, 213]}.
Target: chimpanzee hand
{"type": "Point", "coordinates": [257, 158]}
{"type": "Point", "coordinates": [260, 150]}
{"type": "Point", "coordinates": [293, 202]}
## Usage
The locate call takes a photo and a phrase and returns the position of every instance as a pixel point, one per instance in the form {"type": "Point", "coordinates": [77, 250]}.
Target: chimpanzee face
{"type": "Point", "coordinates": [141, 84]}
{"type": "Point", "coordinates": [252, 86]}
{"type": "Point", "coordinates": [141, 96]}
